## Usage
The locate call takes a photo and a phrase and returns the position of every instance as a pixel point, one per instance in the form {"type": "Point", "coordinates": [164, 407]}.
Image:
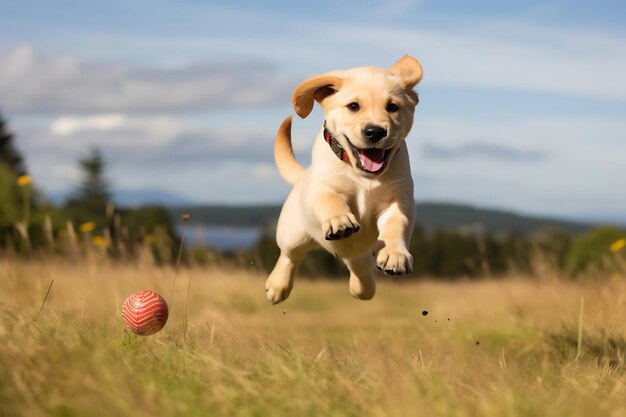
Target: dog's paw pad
{"type": "Point", "coordinates": [340, 227]}
{"type": "Point", "coordinates": [394, 261]}
{"type": "Point", "coordinates": [276, 295]}
{"type": "Point", "coordinates": [277, 290]}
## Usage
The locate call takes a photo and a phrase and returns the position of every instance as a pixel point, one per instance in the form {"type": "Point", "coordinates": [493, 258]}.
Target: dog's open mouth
{"type": "Point", "coordinates": [370, 160]}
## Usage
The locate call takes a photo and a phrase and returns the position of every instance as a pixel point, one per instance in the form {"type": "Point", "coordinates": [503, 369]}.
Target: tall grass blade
{"type": "Point", "coordinates": [44, 301]}
{"type": "Point", "coordinates": [185, 217]}
{"type": "Point", "coordinates": [579, 344]}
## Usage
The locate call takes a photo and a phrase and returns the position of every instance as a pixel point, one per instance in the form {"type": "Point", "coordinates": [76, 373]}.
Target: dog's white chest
{"type": "Point", "coordinates": [361, 204]}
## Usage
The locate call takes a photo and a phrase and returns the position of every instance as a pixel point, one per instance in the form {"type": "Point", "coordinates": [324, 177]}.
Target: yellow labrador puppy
{"type": "Point", "coordinates": [356, 198]}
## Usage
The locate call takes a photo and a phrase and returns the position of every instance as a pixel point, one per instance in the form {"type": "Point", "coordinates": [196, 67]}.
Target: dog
{"type": "Point", "coordinates": [355, 200]}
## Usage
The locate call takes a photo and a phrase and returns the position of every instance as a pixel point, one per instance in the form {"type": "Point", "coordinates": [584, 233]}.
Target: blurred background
{"type": "Point", "coordinates": [118, 117]}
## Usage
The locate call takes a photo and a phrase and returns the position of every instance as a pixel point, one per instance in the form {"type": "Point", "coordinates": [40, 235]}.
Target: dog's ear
{"type": "Point", "coordinates": [409, 70]}
{"type": "Point", "coordinates": [316, 88]}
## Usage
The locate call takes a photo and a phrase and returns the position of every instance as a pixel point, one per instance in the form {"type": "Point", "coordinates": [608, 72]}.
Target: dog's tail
{"type": "Point", "coordinates": [286, 162]}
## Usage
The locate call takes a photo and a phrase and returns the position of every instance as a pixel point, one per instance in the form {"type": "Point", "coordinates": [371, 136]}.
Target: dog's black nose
{"type": "Point", "coordinates": [374, 133]}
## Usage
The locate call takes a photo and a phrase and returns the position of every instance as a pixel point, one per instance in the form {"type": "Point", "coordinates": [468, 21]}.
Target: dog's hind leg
{"type": "Point", "coordinates": [362, 283]}
{"type": "Point", "coordinates": [294, 243]}
{"type": "Point", "coordinates": [280, 282]}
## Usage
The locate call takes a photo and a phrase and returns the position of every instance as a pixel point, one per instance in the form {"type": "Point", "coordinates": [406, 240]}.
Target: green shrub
{"type": "Point", "coordinates": [590, 252]}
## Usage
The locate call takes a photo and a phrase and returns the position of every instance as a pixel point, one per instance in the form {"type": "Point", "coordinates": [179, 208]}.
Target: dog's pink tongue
{"type": "Point", "coordinates": [372, 159]}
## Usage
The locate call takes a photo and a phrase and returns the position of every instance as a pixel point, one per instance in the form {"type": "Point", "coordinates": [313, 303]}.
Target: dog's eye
{"type": "Point", "coordinates": [354, 106]}
{"type": "Point", "coordinates": [392, 107]}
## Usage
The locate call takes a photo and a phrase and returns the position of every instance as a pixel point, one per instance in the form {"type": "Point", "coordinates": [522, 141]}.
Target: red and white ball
{"type": "Point", "coordinates": [145, 312]}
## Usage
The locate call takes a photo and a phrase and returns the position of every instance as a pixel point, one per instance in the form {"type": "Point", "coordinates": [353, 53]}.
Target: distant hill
{"type": "Point", "coordinates": [430, 216]}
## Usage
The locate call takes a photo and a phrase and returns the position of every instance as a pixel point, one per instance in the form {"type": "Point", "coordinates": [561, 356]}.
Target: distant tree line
{"type": "Point", "coordinates": [441, 253]}
{"type": "Point", "coordinates": [598, 252]}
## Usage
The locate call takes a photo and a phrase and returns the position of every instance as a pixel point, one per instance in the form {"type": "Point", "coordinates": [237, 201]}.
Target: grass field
{"type": "Point", "coordinates": [489, 348]}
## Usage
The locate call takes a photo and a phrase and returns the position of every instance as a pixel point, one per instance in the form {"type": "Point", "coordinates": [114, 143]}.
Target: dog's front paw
{"type": "Point", "coordinates": [393, 261]}
{"type": "Point", "coordinates": [277, 289]}
{"type": "Point", "coordinates": [340, 227]}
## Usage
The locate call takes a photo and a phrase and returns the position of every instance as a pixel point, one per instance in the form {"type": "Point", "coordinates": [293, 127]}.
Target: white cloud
{"type": "Point", "coordinates": [115, 131]}
{"type": "Point", "coordinates": [69, 125]}
{"type": "Point", "coordinates": [39, 84]}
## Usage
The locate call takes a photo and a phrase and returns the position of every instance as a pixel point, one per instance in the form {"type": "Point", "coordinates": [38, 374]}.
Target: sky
{"type": "Point", "coordinates": [522, 104]}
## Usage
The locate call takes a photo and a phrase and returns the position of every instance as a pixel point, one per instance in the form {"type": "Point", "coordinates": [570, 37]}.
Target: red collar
{"type": "Point", "coordinates": [337, 149]}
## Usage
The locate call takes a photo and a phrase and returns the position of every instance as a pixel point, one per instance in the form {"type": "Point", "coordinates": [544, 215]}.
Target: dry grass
{"type": "Point", "coordinates": [490, 348]}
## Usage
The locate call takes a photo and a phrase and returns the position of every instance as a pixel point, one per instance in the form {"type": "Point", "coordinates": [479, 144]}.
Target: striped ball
{"type": "Point", "coordinates": [145, 312]}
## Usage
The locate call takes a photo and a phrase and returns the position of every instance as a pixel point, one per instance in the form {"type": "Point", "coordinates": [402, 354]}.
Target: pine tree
{"type": "Point", "coordinates": [9, 155]}
{"type": "Point", "coordinates": [11, 167]}
{"type": "Point", "coordinates": [93, 193]}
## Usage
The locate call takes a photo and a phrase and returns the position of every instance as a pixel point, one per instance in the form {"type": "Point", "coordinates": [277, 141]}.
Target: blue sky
{"type": "Point", "coordinates": [522, 103]}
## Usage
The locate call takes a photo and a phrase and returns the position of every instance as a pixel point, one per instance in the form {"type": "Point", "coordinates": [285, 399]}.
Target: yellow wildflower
{"type": "Point", "coordinates": [618, 245]}
{"type": "Point", "coordinates": [24, 180]}
{"type": "Point", "coordinates": [149, 239]}
{"type": "Point", "coordinates": [100, 241]}
{"type": "Point", "coordinates": [87, 227]}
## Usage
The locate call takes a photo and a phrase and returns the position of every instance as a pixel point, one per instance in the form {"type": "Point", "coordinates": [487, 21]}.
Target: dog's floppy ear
{"type": "Point", "coordinates": [409, 70]}
{"type": "Point", "coordinates": [316, 88]}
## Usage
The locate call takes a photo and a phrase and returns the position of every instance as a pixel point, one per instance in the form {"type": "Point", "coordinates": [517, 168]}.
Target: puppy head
{"type": "Point", "coordinates": [369, 111]}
